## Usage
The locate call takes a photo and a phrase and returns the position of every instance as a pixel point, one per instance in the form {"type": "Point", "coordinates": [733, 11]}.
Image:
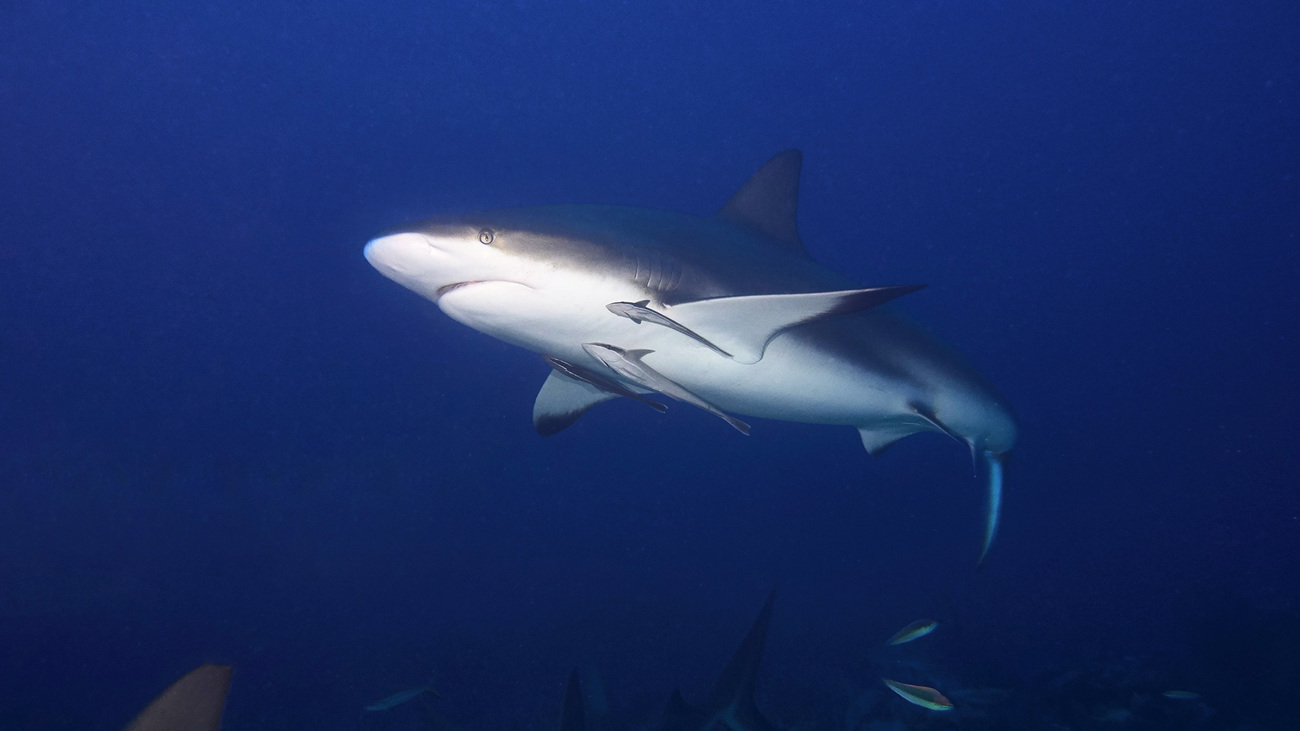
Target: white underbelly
{"type": "Point", "coordinates": [795, 381]}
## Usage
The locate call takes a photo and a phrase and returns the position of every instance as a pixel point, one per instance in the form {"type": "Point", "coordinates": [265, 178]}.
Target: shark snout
{"type": "Point", "coordinates": [398, 254]}
{"type": "Point", "coordinates": [410, 260]}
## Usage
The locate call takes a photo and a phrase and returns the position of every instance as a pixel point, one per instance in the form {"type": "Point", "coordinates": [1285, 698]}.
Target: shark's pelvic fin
{"type": "Point", "coordinates": [586, 375]}
{"type": "Point", "coordinates": [572, 715]}
{"type": "Point", "coordinates": [570, 390]}
{"type": "Point", "coordinates": [562, 400]}
{"type": "Point", "coordinates": [927, 413]}
{"type": "Point", "coordinates": [768, 203]}
{"type": "Point", "coordinates": [193, 703]}
{"type": "Point", "coordinates": [638, 312]}
{"type": "Point", "coordinates": [744, 325]}
{"type": "Point", "coordinates": [993, 465]}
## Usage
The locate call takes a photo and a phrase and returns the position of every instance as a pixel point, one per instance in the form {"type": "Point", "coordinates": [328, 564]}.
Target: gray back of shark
{"type": "Point", "coordinates": [729, 308]}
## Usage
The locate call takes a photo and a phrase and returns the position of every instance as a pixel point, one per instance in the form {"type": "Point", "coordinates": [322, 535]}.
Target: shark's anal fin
{"type": "Point", "coordinates": [572, 715]}
{"type": "Point", "coordinates": [638, 312]}
{"type": "Point", "coordinates": [993, 466]}
{"type": "Point", "coordinates": [570, 390]}
{"type": "Point", "coordinates": [744, 325]}
{"type": "Point", "coordinates": [768, 204]}
{"type": "Point", "coordinates": [193, 703]}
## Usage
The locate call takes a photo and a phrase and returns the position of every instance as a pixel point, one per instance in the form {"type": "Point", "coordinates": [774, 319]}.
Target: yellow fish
{"type": "Point", "coordinates": [920, 695]}
{"type": "Point", "coordinates": [914, 631]}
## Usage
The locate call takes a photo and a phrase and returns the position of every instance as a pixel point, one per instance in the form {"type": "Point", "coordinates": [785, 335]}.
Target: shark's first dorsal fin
{"type": "Point", "coordinates": [193, 703]}
{"type": "Point", "coordinates": [677, 705]}
{"type": "Point", "coordinates": [572, 715]}
{"type": "Point", "coordinates": [768, 204]}
{"type": "Point", "coordinates": [733, 694]}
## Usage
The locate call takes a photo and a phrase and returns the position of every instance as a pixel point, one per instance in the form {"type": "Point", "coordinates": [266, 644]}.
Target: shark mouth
{"type": "Point", "coordinates": [460, 285]}
{"type": "Point", "coordinates": [457, 285]}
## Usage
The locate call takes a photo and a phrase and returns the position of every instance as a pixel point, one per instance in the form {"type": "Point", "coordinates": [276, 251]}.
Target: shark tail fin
{"type": "Point", "coordinates": [993, 466]}
{"type": "Point", "coordinates": [733, 693]}
{"type": "Point", "coordinates": [572, 715]}
{"type": "Point", "coordinates": [193, 703]}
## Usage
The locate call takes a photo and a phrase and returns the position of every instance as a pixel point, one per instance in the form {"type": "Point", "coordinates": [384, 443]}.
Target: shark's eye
{"type": "Point", "coordinates": [486, 236]}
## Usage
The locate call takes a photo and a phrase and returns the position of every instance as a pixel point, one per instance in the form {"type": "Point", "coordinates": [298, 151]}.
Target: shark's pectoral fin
{"type": "Point", "coordinates": [743, 326]}
{"type": "Point", "coordinates": [562, 400]}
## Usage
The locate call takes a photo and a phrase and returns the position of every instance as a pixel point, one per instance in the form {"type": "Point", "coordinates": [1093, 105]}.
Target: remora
{"type": "Point", "coordinates": [729, 309]}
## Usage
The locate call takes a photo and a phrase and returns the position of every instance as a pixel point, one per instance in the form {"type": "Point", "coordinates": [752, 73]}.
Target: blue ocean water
{"type": "Point", "coordinates": [225, 438]}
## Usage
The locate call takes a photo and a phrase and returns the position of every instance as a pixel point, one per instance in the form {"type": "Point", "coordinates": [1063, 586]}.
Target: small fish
{"type": "Point", "coordinates": [401, 697]}
{"type": "Point", "coordinates": [1182, 695]}
{"type": "Point", "coordinates": [638, 312]}
{"type": "Point", "coordinates": [578, 373]}
{"type": "Point", "coordinates": [914, 631]}
{"type": "Point", "coordinates": [920, 695]}
{"type": "Point", "coordinates": [628, 365]}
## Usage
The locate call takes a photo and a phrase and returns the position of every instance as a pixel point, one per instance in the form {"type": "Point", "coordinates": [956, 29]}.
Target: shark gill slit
{"type": "Point", "coordinates": [656, 274]}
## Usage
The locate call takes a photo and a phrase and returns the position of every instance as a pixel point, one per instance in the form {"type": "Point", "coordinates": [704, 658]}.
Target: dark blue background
{"type": "Point", "coordinates": [226, 438]}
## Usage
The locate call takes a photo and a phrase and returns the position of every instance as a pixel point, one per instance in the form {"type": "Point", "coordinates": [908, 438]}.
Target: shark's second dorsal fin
{"type": "Point", "coordinates": [768, 204]}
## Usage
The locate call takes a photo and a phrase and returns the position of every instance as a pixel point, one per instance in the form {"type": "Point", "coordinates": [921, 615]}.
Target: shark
{"type": "Point", "coordinates": [726, 312]}
{"type": "Point", "coordinates": [730, 704]}
{"type": "Point", "coordinates": [196, 702]}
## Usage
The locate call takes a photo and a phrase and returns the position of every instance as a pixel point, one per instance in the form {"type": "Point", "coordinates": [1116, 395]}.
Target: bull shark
{"type": "Point", "coordinates": [730, 705]}
{"type": "Point", "coordinates": [726, 312]}
{"type": "Point", "coordinates": [193, 703]}
{"type": "Point", "coordinates": [197, 702]}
